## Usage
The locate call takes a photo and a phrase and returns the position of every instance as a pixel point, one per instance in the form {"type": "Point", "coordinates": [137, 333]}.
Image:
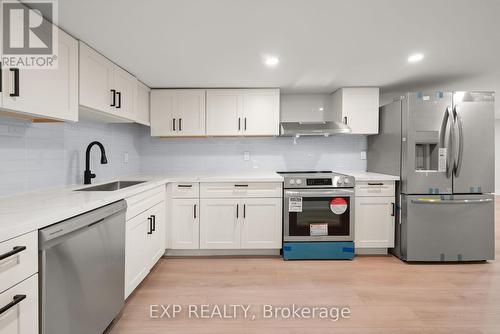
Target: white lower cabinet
{"type": "Point", "coordinates": [220, 223]}
{"type": "Point", "coordinates": [261, 224]}
{"type": "Point", "coordinates": [144, 240]}
{"type": "Point", "coordinates": [226, 216]}
{"type": "Point", "coordinates": [240, 223]}
{"type": "Point", "coordinates": [185, 223]}
{"type": "Point", "coordinates": [374, 215]}
{"type": "Point", "coordinates": [22, 315]}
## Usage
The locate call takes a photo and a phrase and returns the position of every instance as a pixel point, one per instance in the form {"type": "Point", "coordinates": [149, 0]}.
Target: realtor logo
{"type": "Point", "coordinates": [29, 34]}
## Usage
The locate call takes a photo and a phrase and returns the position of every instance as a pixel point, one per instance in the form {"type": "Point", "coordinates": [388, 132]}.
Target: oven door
{"type": "Point", "coordinates": [318, 215]}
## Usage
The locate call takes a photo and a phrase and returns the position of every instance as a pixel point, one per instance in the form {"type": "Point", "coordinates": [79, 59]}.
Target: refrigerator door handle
{"type": "Point", "coordinates": [445, 142]}
{"type": "Point", "coordinates": [459, 122]}
{"type": "Point", "coordinates": [458, 201]}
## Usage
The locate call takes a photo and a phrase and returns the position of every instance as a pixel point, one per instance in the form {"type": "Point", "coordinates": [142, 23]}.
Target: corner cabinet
{"type": "Point", "coordinates": [243, 112]}
{"type": "Point", "coordinates": [45, 93]}
{"type": "Point", "coordinates": [358, 108]}
{"type": "Point", "coordinates": [107, 92]}
{"type": "Point", "coordinates": [178, 112]}
{"type": "Point", "coordinates": [375, 210]}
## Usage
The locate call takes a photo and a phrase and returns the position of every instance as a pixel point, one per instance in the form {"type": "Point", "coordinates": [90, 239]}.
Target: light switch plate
{"type": "Point", "coordinates": [125, 157]}
{"type": "Point", "coordinates": [363, 155]}
{"type": "Point", "coordinates": [246, 155]}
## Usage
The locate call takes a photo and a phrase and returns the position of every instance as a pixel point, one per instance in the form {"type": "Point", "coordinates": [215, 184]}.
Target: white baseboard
{"type": "Point", "coordinates": [222, 252]}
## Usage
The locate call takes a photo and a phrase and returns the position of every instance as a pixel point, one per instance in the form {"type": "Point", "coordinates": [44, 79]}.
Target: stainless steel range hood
{"type": "Point", "coordinates": [326, 128]}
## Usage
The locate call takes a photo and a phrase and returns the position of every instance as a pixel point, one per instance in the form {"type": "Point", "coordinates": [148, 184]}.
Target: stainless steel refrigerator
{"type": "Point", "coordinates": [441, 144]}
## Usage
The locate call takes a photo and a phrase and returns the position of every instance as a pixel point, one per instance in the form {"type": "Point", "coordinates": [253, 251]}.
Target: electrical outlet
{"type": "Point", "coordinates": [363, 155]}
{"type": "Point", "coordinates": [125, 157]}
{"type": "Point", "coordinates": [246, 156]}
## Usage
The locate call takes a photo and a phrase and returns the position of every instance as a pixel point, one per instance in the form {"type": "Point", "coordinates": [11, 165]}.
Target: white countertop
{"type": "Point", "coordinates": [28, 212]}
{"type": "Point", "coordinates": [369, 176]}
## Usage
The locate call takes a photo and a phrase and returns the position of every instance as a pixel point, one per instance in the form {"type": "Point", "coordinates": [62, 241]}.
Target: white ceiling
{"type": "Point", "coordinates": [322, 44]}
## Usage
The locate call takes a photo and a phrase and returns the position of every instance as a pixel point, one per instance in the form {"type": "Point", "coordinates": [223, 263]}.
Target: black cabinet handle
{"type": "Point", "coordinates": [237, 210]}
{"type": "Point", "coordinates": [173, 124]}
{"type": "Point", "coordinates": [113, 94]}
{"type": "Point", "coordinates": [14, 251]}
{"type": "Point", "coordinates": [345, 120]}
{"type": "Point", "coordinates": [184, 185]}
{"type": "Point", "coordinates": [154, 223]}
{"type": "Point", "coordinates": [375, 184]}
{"type": "Point", "coordinates": [393, 213]}
{"type": "Point", "coordinates": [239, 123]}
{"type": "Point", "coordinates": [15, 300]}
{"type": "Point", "coordinates": [180, 124]}
{"type": "Point", "coordinates": [119, 103]}
{"type": "Point", "coordinates": [16, 82]}
{"type": "Point", "coordinates": [244, 210]}
{"type": "Point", "coordinates": [241, 185]}
{"type": "Point", "coordinates": [245, 125]}
{"type": "Point", "coordinates": [194, 211]}
{"type": "Point", "coordinates": [150, 225]}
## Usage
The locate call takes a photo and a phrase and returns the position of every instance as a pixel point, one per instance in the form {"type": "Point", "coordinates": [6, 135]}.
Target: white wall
{"type": "Point", "coordinates": [338, 153]}
{"type": "Point", "coordinates": [34, 156]}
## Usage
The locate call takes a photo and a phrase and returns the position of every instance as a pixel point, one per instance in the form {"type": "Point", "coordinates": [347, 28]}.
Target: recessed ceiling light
{"type": "Point", "coordinates": [415, 58]}
{"type": "Point", "coordinates": [271, 61]}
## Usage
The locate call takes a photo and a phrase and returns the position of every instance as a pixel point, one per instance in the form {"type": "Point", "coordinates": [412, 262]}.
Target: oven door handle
{"type": "Point", "coordinates": [323, 193]}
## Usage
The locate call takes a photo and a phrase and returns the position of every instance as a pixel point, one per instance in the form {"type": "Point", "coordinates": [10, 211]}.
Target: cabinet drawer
{"type": "Point", "coordinates": [21, 318]}
{"type": "Point", "coordinates": [241, 189]}
{"type": "Point", "coordinates": [375, 188]}
{"type": "Point", "coordinates": [144, 201]}
{"type": "Point", "coordinates": [22, 263]}
{"type": "Point", "coordinates": [185, 190]}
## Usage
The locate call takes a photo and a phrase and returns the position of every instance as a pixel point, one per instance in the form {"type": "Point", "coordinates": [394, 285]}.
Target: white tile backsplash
{"type": "Point", "coordinates": [34, 156]}
{"type": "Point", "coordinates": [339, 153]}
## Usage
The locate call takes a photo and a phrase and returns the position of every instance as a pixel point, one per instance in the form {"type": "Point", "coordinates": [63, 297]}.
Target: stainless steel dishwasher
{"type": "Point", "coordinates": [82, 263]}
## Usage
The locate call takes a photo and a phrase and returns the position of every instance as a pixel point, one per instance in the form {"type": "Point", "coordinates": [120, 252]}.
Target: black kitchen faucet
{"type": "Point", "coordinates": [88, 176]}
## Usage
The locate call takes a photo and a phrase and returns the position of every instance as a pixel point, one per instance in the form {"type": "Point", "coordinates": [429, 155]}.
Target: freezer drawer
{"type": "Point", "coordinates": [447, 228]}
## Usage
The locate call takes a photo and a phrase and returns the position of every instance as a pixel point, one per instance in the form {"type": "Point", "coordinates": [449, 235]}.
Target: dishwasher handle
{"type": "Point", "coordinates": [57, 233]}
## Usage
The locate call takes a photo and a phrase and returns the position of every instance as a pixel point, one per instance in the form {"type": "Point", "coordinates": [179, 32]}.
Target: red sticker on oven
{"type": "Point", "coordinates": [338, 205]}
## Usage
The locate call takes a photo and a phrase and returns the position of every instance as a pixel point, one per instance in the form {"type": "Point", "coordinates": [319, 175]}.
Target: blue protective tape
{"type": "Point", "coordinates": [348, 249]}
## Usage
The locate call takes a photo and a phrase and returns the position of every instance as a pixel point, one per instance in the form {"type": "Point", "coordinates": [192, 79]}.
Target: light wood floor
{"type": "Point", "coordinates": [385, 295]}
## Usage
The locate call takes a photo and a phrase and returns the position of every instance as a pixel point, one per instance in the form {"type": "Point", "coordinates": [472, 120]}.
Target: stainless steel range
{"type": "Point", "coordinates": [318, 218]}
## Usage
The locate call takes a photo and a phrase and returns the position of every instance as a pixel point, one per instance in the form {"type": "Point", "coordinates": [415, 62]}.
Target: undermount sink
{"type": "Point", "coordinates": [112, 186]}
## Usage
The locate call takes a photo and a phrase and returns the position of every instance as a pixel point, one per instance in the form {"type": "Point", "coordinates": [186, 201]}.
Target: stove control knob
{"type": "Point", "coordinates": [346, 181]}
{"type": "Point", "coordinates": [299, 181]}
{"type": "Point", "coordinates": [292, 181]}
{"type": "Point", "coordinates": [339, 182]}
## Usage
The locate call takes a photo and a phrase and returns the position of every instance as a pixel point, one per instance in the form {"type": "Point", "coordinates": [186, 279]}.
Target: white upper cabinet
{"type": "Point", "coordinates": [125, 85]}
{"type": "Point", "coordinates": [142, 104]}
{"type": "Point", "coordinates": [243, 112]}
{"type": "Point", "coordinates": [45, 93]}
{"type": "Point", "coordinates": [224, 110]}
{"type": "Point", "coordinates": [178, 112]}
{"type": "Point", "coordinates": [106, 90]}
{"type": "Point", "coordinates": [261, 112]}
{"type": "Point", "coordinates": [358, 108]}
